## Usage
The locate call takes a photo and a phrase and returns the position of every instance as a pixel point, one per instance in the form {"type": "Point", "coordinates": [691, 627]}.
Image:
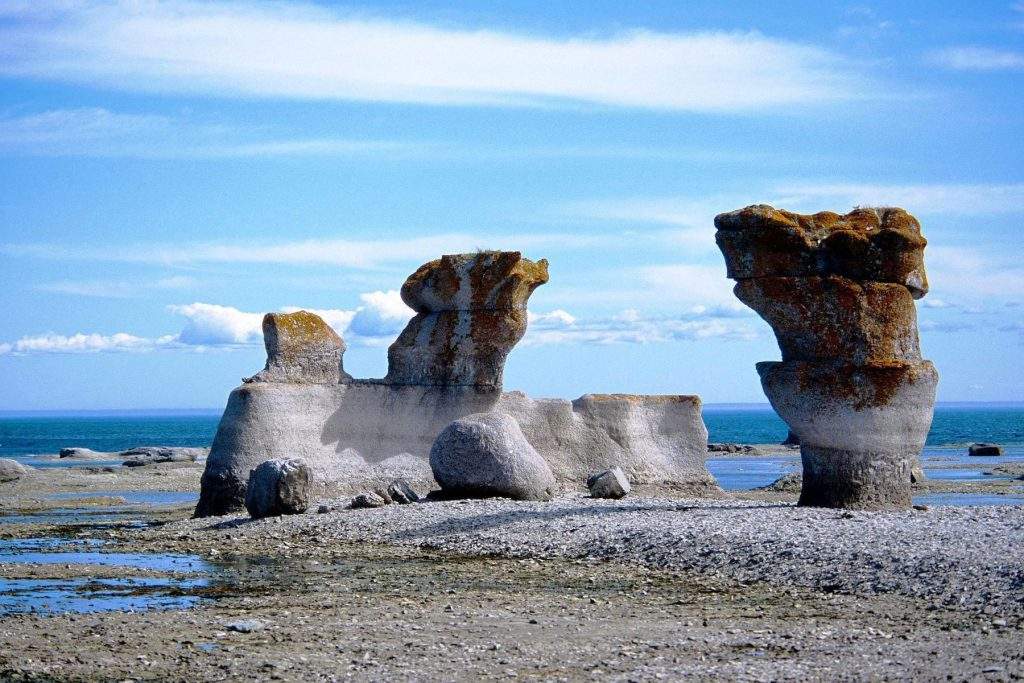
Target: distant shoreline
{"type": "Point", "coordinates": [202, 412]}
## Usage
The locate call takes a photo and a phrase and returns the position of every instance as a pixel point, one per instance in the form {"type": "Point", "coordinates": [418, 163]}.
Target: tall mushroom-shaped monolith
{"type": "Point", "coordinates": [839, 292]}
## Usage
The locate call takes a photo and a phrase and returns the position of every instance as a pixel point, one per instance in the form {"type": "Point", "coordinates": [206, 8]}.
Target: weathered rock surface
{"type": "Point", "coordinates": [984, 449]}
{"type": "Point", "coordinates": [358, 435]}
{"type": "Point", "coordinates": [486, 454]}
{"type": "Point", "coordinates": [838, 292]}
{"type": "Point", "coordinates": [278, 487]}
{"type": "Point", "coordinates": [401, 492]}
{"type": "Point", "coordinates": [791, 439]}
{"type": "Point", "coordinates": [734, 448]}
{"type": "Point", "coordinates": [368, 499]}
{"type": "Point", "coordinates": [11, 470]}
{"type": "Point", "coordinates": [301, 348]}
{"type": "Point", "coordinates": [470, 312]}
{"type": "Point", "coordinates": [609, 484]}
{"type": "Point", "coordinates": [865, 245]}
{"type": "Point", "coordinates": [149, 455]}
{"type": "Point", "coordinates": [787, 483]}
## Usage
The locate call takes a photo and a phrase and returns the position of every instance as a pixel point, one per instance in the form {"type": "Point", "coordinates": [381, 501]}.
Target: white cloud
{"type": "Point", "coordinates": [307, 52]}
{"type": "Point", "coordinates": [331, 252]}
{"type": "Point", "coordinates": [631, 327]}
{"type": "Point", "coordinates": [94, 131]}
{"type": "Point", "coordinates": [84, 343]}
{"type": "Point", "coordinates": [946, 199]}
{"type": "Point", "coordinates": [116, 289]}
{"type": "Point", "coordinates": [967, 58]}
{"type": "Point", "coordinates": [214, 325]}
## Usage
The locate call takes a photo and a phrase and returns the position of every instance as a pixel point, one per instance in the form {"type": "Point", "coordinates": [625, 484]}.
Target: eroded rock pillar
{"type": "Point", "coordinates": [838, 291]}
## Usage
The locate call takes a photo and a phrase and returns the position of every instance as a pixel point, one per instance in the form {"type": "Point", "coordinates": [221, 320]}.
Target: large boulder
{"type": "Point", "coordinates": [11, 470]}
{"type": "Point", "coordinates": [984, 449]}
{"type": "Point", "coordinates": [278, 487]}
{"type": "Point", "coordinates": [838, 291]}
{"type": "Point", "coordinates": [470, 312]}
{"type": "Point", "coordinates": [301, 348]}
{"type": "Point", "coordinates": [486, 454]}
{"type": "Point", "coordinates": [609, 484]}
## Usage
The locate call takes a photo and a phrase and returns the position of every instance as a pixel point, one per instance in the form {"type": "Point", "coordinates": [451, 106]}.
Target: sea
{"type": "Point", "coordinates": [25, 435]}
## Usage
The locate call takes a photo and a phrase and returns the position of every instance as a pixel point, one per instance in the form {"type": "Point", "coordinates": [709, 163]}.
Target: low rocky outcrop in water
{"type": "Point", "coordinates": [150, 455]}
{"type": "Point", "coordinates": [984, 449]}
{"type": "Point", "coordinates": [838, 291]}
{"type": "Point", "coordinates": [278, 487]}
{"type": "Point", "coordinates": [487, 455]}
{"type": "Point", "coordinates": [734, 448]}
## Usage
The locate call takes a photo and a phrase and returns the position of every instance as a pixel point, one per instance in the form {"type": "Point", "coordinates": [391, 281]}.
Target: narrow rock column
{"type": "Point", "coordinates": [301, 349]}
{"type": "Point", "coordinates": [470, 312]}
{"type": "Point", "coordinates": [839, 292]}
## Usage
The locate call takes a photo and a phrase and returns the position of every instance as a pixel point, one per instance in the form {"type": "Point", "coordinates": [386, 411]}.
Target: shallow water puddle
{"type": "Point", "coordinates": [134, 497]}
{"type": "Point", "coordinates": [966, 499]}
{"type": "Point", "coordinates": [86, 594]}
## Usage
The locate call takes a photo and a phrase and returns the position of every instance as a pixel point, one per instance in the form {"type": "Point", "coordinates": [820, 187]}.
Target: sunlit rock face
{"type": "Point", "coordinates": [470, 312]}
{"type": "Point", "coordinates": [358, 434]}
{"type": "Point", "coordinates": [838, 291]}
{"type": "Point", "coordinates": [301, 348]}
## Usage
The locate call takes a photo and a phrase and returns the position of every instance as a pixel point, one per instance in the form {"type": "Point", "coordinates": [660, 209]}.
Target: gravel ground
{"type": "Point", "coordinates": [969, 558]}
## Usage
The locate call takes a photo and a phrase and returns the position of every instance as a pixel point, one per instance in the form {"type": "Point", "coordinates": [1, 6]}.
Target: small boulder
{"type": "Point", "coordinates": [245, 626]}
{"type": "Point", "coordinates": [399, 491]}
{"type": "Point", "coordinates": [368, 499]}
{"type": "Point", "coordinates": [486, 454]}
{"type": "Point", "coordinates": [984, 449]}
{"type": "Point", "coordinates": [278, 487]}
{"type": "Point", "coordinates": [11, 470]}
{"type": "Point", "coordinates": [609, 484]}
{"type": "Point", "coordinates": [917, 475]}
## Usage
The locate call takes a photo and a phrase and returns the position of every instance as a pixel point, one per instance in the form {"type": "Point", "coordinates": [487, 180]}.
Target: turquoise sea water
{"type": "Point", "coordinates": [21, 435]}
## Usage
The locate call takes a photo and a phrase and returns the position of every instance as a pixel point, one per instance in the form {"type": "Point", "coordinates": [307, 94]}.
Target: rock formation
{"type": "Point", "coordinates": [360, 435]}
{"type": "Point", "coordinates": [301, 348]}
{"type": "Point", "coordinates": [839, 292]}
{"type": "Point", "coordinates": [470, 312]}
{"type": "Point", "coordinates": [486, 455]}
{"type": "Point", "coordinates": [609, 484]}
{"type": "Point", "coordinates": [11, 470]}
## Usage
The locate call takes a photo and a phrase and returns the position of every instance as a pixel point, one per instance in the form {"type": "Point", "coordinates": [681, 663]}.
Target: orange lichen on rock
{"type": "Point", "coordinates": [874, 244]}
{"type": "Point", "coordinates": [301, 348]}
{"type": "Point", "coordinates": [471, 311]}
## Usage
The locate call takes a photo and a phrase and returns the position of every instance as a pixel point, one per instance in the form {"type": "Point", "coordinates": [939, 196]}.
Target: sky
{"type": "Point", "coordinates": [170, 171]}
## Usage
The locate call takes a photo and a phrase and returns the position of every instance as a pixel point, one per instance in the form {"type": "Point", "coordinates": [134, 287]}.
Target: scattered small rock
{"type": "Point", "coordinates": [609, 484]}
{"type": "Point", "coordinates": [245, 626]}
{"type": "Point", "coordinates": [278, 487]}
{"type": "Point", "coordinates": [368, 499]}
{"type": "Point", "coordinates": [399, 491]}
{"type": "Point", "coordinates": [733, 448]}
{"type": "Point", "coordinates": [787, 483]}
{"type": "Point", "coordinates": [984, 449]}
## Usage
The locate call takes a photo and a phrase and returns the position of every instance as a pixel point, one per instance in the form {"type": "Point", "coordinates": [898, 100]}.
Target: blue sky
{"type": "Point", "coordinates": [170, 171]}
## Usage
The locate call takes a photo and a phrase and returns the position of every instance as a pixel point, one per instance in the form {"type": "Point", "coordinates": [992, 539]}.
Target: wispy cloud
{"type": "Point", "coordinates": [632, 327]}
{"type": "Point", "coordinates": [116, 289]}
{"type": "Point", "coordinates": [95, 131]}
{"type": "Point", "coordinates": [968, 58]}
{"type": "Point", "coordinates": [292, 50]}
{"type": "Point", "coordinates": [921, 199]}
{"type": "Point", "coordinates": [331, 252]}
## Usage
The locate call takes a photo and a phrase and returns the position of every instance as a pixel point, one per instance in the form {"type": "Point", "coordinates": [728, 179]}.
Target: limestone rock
{"type": "Point", "coordinates": [149, 455]}
{"type": "Point", "coordinates": [734, 448]}
{"type": "Point", "coordinates": [984, 449]}
{"type": "Point", "coordinates": [838, 292]}
{"type": "Point", "coordinates": [278, 487]}
{"type": "Point", "coordinates": [368, 499]}
{"type": "Point", "coordinates": [11, 470]}
{"type": "Point", "coordinates": [917, 475]}
{"type": "Point", "coordinates": [401, 492]}
{"type": "Point", "coordinates": [471, 311]}
{"type": "Point", "coordinates": [821, 318]}
{"type": "Point", "coordinates": [79, 453]}
{"type": "Point", "coordinates": [486, 454]}
{"type": "Point", "coordinates": [609, 484]}
{"type": "Point", "coordinates": [866, 245]}
{"type": "Point", "coordinates": [301, 348]}
{"type": "Point", "coordinates": [787, 483]}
